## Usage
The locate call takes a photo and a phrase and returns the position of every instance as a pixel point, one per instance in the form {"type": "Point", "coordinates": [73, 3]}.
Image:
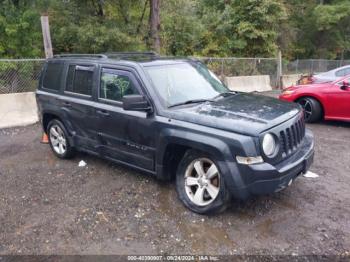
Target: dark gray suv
{"type": "Point", "coordinates": [173, 119]}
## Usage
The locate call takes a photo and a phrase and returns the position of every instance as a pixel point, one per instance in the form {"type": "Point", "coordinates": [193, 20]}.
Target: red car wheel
{"type": "Point", "coordinates": [312, 109]}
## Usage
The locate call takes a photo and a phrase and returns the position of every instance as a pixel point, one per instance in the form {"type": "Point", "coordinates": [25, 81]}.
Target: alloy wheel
{"type": "Point", "coordinates": [58, 139]}
{"type": "Point", "coordinates": [202, 181]}
{"type": "Point", "coordinates": [307, 107]}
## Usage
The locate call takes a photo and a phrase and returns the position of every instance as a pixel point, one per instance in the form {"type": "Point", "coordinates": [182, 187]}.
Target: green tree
{"type": "Point", "coordinates": [241, 28]}
{"type": "Point", "coordinates": [250, 28]}
{"type": "Point", "coordinates": [93, 28]}
{"type": "Point", "coordinates": [181, 28]}
{"type": "Point", "coordinates": [317, 29]}
{"type": "Point", "coordinates": [332, 34]}
{"type": "Point", "coordinates": [20, 34]}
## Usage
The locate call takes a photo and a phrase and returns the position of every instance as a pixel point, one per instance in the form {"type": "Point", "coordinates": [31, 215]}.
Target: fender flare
{"type": "Point", "coordinates": [215, 147]}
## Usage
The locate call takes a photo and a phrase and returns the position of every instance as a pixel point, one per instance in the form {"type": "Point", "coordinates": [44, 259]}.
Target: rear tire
{"type": "Point", "coordinates": [58, 139]}
{"type": "Point", "coordinates": [200, 184]}
{"type": "Point", "coordinates": [312, 109]}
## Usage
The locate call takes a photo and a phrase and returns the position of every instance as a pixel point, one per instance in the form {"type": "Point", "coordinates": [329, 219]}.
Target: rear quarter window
{"type": "Point", "coordinates": [343, 72]}
{"type": "Point", "coordinates": [52, 76]}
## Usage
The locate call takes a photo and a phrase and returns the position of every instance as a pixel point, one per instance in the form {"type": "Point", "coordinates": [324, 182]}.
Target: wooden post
{"type": "Point", "coordinates": [46, 36]}
{"type": "Point", "coordinates": [279, 70]}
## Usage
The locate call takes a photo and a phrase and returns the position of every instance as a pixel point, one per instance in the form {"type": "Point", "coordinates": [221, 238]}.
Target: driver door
{"type": "Point", "coordinates": [125, 136]}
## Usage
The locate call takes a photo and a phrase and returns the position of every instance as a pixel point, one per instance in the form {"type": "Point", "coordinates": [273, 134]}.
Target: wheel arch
{"type": "Point", "coordinates": [47, 117]}
{"type": "Point", "coordinates": [317, 98]}
{"type": "Point", "coordinates": [173, 147]}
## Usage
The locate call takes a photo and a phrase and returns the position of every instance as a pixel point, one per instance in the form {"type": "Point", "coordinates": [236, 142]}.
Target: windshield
{"type": "Point", "coordinates": [180, 83]}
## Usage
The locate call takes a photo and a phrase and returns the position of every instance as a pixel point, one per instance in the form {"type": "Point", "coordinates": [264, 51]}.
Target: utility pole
{"type": "Point", "coordinates": [46, 36]}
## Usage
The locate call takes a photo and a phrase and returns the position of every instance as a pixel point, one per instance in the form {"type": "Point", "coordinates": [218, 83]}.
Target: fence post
{"type": "Point", "coordinates": [222, 68]}
{"type": "Point", "coordinates": [279, 69]}
{"type": "Point", "coordinates": [46, 36]}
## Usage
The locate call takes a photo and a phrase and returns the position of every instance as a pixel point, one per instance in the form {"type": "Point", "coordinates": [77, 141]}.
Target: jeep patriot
{"type": "Point", "coordinates": [173, 119]}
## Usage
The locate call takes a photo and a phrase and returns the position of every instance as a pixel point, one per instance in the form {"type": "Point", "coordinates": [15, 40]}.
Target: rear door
{"type": "Point", "coordinates": [78, 104]}
{"type": "Point", "coordinates": [126, 136]}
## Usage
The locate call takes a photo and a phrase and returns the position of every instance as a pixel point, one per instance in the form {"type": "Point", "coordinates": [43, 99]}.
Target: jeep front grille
{"type": "Point", "coordinates": [291, 137]}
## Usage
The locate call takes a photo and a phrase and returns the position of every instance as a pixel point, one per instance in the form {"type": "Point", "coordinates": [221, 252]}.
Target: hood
{"type": "Point", "coordinates": [312, 85]}
{"type": "Point", "coordinates": [241, 113]}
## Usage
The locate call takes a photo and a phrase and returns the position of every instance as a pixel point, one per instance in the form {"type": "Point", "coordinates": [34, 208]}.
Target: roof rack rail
{"type": "Point", "coordinates": [81, 55]}
{"type": "Point", "coordinates": [131, 54]}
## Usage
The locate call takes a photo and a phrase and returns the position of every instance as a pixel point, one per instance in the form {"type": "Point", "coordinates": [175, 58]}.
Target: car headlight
{"type": "Point", "coordinates": [288, 92]}
{"type": "Point", "coordinates": [269, 145]}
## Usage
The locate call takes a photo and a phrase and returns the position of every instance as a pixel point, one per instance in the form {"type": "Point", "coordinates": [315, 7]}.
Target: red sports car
{"type": "Point", "coordinates": [330, 100]}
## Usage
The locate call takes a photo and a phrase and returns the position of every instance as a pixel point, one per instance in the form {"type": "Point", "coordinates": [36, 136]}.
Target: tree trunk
{"type": "Point", "coordinates": [142, 16]}
{"type": "Point", "coordinates": [154, 23]}
{"type": "Point", "coordinates": [100, 11]}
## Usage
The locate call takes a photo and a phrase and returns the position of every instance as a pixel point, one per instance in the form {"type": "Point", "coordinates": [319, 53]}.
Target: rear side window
{"type": "Point", "coordinates": [343, 72]}
{"type": "Point", "coordinates": [52, 77]}
{"type": "Point", "coordinates": [80, 79]}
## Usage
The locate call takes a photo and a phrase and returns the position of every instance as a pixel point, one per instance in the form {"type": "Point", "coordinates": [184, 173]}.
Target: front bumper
{"type": "Point", "coordinates": [265, 178]}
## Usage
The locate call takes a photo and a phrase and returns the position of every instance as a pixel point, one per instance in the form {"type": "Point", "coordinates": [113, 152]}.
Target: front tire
{"type": "Point", "coordinates": [312, 109]}
{"type": "Point", "coordinates": [58, 139]}
{"type": "Point", "coordinates": [200, 185]}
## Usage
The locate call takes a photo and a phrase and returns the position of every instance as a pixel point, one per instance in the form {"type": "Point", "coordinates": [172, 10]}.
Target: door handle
{"type": "Point", "coordinates": [102, 112]}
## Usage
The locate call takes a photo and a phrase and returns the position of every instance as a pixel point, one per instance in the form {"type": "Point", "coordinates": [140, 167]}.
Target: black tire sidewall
{"type": "Point", "coordinates": [69, 149]}
{"type": "Point", "coordinates": [220, 202]}
{"type": "Point", "coordinates": [316, 110]}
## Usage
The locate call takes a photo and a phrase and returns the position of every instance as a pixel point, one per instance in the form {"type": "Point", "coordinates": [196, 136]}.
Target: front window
{"type": "Point", "coordinates": [341, 82]}
{"type": "Point", "coordinates": [178, 83]}
{"type": "Point", "coordinates": [115, 85]}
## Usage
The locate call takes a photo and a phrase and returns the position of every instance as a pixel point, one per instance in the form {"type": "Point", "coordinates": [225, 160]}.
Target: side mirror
{"type": "Point", "coordinates": [345, 85]}
{"type": "Point", "coordinates": [135, 103]}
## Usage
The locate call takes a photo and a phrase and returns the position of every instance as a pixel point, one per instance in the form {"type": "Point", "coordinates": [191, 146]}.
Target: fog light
{"type": "Point", "coordinates": [250, 160]}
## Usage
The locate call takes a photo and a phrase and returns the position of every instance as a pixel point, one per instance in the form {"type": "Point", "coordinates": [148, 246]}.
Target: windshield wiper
{"type": "Point", "coordinates": [192, 101]}
{"type": "Point", "coordinates": [224, 94]}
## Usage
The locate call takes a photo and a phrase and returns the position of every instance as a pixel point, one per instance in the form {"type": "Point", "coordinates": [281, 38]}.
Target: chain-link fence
{"type": "Point", "coordinates": [234, 66]}
{"type": "Point", "coordinates": [19, 75]}
{"type": "Point", "coordinates": [312, 66]}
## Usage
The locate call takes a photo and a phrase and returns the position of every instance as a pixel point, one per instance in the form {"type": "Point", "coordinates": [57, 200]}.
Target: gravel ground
{"type": "Point", "coordinates": [51, 206]}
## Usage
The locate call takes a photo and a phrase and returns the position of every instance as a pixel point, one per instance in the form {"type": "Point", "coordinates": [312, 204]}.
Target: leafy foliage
{"type": "Point", "coordinates": [251, 28]}
{"type": "Point", "coordinates": [20, 33]}
{"type": "Point", "coordinates": [242, 28]}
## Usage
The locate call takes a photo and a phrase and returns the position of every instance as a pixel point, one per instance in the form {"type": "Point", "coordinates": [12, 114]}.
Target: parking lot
{"type": "Point", "coordinates": [52, 206]}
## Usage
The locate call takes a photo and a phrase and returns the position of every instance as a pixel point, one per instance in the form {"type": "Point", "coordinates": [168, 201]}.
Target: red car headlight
{"type": "Point", "coordinates": [288, 92]}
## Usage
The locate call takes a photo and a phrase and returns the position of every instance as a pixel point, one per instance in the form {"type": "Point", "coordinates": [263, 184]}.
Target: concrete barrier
{"type": "Point", "coordinates": [289, 80]}
{"type": "Point", "coordinates": [257, 83]}
{"type": "Point", "coordinates": [18, 109]}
